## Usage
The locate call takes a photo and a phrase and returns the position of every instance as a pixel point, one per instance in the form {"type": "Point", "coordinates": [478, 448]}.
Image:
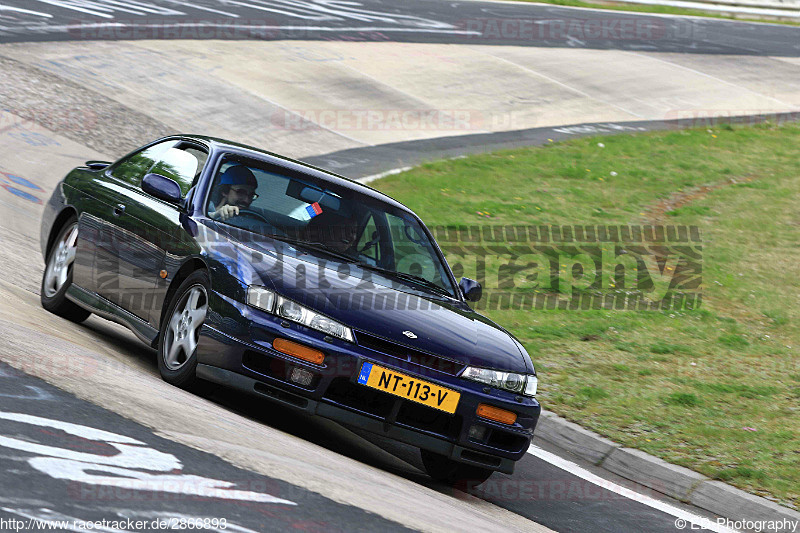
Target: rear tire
{"type": "Point", "coordinates": [57, 276]}
{"type": "Point", "coordinates": [451, 472]}
{"type": "Point", "coordinates": [180, 329]}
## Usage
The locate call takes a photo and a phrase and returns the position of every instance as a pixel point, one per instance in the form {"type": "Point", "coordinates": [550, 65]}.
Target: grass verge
{"type": "Point", "coordinates": [715, 389]}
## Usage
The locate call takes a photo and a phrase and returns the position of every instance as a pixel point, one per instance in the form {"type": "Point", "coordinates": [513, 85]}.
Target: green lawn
{"type": "Point", "coordinates": [665, 10]}
{"type": "Point", "coordinates": [715, 389]}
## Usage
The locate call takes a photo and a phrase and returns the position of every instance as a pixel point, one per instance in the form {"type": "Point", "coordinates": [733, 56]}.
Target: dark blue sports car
{"type": "Point", "coordinates": [258, 272]}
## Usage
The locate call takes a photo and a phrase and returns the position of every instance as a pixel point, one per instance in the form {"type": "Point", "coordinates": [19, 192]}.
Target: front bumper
{"type": "Point", "coordinates": [237, 352]}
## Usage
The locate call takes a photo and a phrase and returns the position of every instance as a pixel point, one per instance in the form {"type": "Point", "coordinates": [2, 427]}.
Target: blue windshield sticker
{"type": "Point", "coordinates": [306, 212]}
{"type": "Point", "coordinates": [314, 210]}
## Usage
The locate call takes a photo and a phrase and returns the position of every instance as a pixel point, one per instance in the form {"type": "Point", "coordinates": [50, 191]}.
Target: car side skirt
{"type": "Point", "coordinates": [98, 305]}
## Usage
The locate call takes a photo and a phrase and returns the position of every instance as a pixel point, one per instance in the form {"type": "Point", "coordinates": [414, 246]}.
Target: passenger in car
{"type": "Point", "coordinates": [337, 232]}
{"type": "Point", "coordinates": [236, 190]}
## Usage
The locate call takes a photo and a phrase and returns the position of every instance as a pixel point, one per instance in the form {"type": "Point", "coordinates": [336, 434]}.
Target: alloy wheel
{"type": "Point", "coordinates": [61, 260]}
{"type": "Point", "coordinates": [184, 327]}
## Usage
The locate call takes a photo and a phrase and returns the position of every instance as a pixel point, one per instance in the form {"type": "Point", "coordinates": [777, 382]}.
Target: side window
{"type": "Point", "coordinates": [369, 243]}
{"type": "Point", "coordinates": [133, 168]}
{"type": "Point", "coordinates": [412, 250]}
{"type": "Point", "coordinates": [181, 164]}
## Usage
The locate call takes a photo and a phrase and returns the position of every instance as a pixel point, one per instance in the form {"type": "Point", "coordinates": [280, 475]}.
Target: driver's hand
{"type": "Point", "coordinates": [225, 212]}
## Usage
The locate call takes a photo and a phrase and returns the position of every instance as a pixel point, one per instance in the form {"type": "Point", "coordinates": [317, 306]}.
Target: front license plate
{"type": "Point", "coordinates": [409, 387]}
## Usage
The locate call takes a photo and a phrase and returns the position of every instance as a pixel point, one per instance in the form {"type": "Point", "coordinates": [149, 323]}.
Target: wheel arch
{"type": "Point", "coordinates": [55, 227]}
{"type": "Point", "coordinates": [187, 269]}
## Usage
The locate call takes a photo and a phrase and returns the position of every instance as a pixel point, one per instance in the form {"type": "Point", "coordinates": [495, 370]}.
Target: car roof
{"type": "Point", "coordinates": [223, 145]}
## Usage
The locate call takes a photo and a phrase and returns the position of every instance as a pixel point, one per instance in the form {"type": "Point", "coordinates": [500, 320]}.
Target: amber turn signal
{"type": "Point", "coordinates": [298, 350]}
{"type": "Point", "coordinates": [496, 414]}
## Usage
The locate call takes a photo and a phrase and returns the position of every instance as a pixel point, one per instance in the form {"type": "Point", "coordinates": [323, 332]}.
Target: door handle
{"type": "Point", "coordinates": [119, 210]}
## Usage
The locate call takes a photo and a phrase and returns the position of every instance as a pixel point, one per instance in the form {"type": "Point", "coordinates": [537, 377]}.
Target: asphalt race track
{"type": "Point", "coordinates": [76, 393]}
{"type": "Point", "coordinates": [422, 21]}
{"type": "Point", "coordinates": [58, 428]}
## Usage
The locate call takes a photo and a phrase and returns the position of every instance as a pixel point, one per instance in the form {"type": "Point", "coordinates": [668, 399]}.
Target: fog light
{"type": "Point", "coordinates": [301, 376]}
{"type": "Point", "coordinates": [496, 414]}
{"type": "Point", "coordinates": [298, 350]}
{"type": "Point", "coordinates": [477, 432]}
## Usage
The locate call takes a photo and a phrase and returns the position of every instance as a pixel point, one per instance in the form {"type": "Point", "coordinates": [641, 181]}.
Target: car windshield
{"type": "Point", "coordinates": [330, 220]}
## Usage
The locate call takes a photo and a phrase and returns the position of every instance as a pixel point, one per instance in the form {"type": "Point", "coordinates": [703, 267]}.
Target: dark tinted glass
{"type": "Point", "coordinates": [354, 225]}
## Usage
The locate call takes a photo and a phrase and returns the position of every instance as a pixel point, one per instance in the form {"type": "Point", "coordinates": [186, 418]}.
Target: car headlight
{"type": "Point", "coordinates": [531, 384]}
{"type": "Point", "coordinates": [510, 381]}
{"type": "Point", "coordinates": [273, 303]}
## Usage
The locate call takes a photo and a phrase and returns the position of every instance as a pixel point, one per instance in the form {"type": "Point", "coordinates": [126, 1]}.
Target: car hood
{"type": "Point", "coordinates": [371, 303]}
{"type": "Point", "coordinates": [401, 315]}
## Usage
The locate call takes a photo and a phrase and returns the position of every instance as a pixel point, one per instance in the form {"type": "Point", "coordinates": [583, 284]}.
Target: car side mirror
{"type": "Point", "coordinates": [471, 289]}
{"type": "Point", "coordinates": [162, 188]}
{"type": "Point", "coordinates": [97, 165]}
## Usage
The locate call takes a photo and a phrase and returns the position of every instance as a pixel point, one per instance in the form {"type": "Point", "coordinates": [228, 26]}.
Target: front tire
{"type": "Point", "coordinates": [57, 276]}
{"type": "Point", "coordinates": [180, 330]}
{"type": "Point", "coordinates": [451, 472]}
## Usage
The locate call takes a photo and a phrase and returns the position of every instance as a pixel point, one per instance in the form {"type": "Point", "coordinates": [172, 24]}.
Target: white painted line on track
{"type": "Point", "coordinates": [374, 177]}
{"type": "Point", "coordinates": [68, 27]}
{"type": "Point", "coordinates": [664, 507]}
{"type": "Point", "coordinates": [202, 8]}
{"type": "Point", "coordinates": [64, 5]}
{"type": "Point", "coordinates": [321, 10]}
{"type": "Point", "coordinates": [139, 8]}
{"type": "Point", "coordinates": [104, 8]}
{"type": "Point", "coordinates": [25, 11]}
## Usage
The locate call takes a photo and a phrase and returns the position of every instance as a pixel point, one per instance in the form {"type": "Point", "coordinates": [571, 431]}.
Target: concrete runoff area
{"type": "Point", "coordinates": [321, 97]}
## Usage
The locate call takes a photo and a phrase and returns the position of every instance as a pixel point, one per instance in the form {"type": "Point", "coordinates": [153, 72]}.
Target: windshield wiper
{"type": "Point", "coordinates": [321, 246]}
{"type": "Point", "coordinates": [417, 280]}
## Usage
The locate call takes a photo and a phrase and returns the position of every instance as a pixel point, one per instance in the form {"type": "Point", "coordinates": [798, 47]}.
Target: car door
{"type": "Point", "coordinates": [137, 228]}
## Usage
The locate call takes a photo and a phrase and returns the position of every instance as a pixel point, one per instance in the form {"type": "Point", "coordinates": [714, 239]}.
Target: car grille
{"type": "Point", "coordinates": [408, 354]}
{"type": "Point", "coordinates": [366, 400]}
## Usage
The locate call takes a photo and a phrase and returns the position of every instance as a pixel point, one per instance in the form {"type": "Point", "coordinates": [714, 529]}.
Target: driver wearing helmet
{"type": "Point", "coordinates": [236, 190]}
